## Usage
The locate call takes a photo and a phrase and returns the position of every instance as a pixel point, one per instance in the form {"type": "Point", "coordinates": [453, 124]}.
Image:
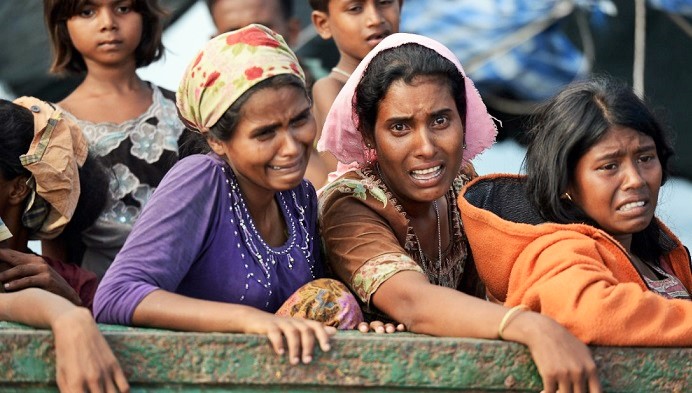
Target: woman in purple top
{"type": "Point", "coordinates": [229, 241]}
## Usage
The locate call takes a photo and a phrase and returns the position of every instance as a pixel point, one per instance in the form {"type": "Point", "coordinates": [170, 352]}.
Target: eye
{"type": "Point", "coordinates": [647, 158]}
{"type": "Point", "coordinates": [608, 167]}
{"type": "Point", "coordinates": [398, 127]}
{"type": "Point", "coordinates": [86, 13]}
{"type": "Point", "coordinates": [264, 134]}
{"type": "Point", "coordinates": [385, 2]}
{"type": "Point", "coordinates": [301, 120]}
{"type": "Point", "coordinates": [440, 121]}
{"type": "Point", "coordinates": [123, 9]}
{"type": "Point", "coordinates": [354, 8]}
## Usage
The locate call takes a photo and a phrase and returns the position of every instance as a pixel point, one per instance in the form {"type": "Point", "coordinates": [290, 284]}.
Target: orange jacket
{"type": "Point", "coordinates": [577, 274]}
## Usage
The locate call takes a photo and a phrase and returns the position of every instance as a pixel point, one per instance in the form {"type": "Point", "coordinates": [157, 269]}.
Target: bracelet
{"type": "Point", "coordinates": [509, 316]}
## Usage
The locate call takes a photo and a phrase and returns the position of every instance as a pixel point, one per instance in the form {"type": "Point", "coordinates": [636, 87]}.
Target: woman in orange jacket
{"type": "Point", "coordinates": [576, 239]}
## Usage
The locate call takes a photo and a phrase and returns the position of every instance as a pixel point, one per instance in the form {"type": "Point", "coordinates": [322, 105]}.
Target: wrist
{"type": "Point", "coordinates": [68, 318]}
{"type": "Point", "coordinates": [524, 328]}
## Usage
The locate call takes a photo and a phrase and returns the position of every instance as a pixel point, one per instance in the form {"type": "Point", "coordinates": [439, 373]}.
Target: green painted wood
{"type": "Point", "coordinates": [163, 361]}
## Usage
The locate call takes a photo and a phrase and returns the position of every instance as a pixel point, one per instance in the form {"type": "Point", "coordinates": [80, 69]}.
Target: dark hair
{"type": "Point", "coordinates": [17, 128]}
{"type": "Point", "coordinates": [405, 62]}
{"type": "Point", "coordinates": [320, 5]}
{"type": "Point", "coordinates": [65, 55]}
{"type": "Point", "coordinates": [286, 7]}
{"type": "Point", "coordinates": [223, 130]}
{"type": "Point", "coordinates": [225, 127]}
{"type": "Point", "coordinates": [567, 126]}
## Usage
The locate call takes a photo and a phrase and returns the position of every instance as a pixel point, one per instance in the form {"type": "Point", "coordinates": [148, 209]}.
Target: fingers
{"type": "Point", "coordinates": [16, 258]}
{"type": "Point", "coordinates": [323, 334]}
{"type": "Point", "coordinates": [23, 276]}
{"type": "Point", "coordinates": [292, 335]}
{"type": "Point", "coordinates": [594, 382]}
{"type": "Point", "coordinates": [400, 327]}
{"type": "Point", "coordinates": [276, 338]}
{"type": "Point", "coordinates": [121, 381]}
{"type": "Point", "coordinates": [363, 327]}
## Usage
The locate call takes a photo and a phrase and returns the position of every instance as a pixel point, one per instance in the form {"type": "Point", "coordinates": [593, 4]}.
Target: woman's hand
{"type": "Point", "coordinates": [31, 271]}
{"type": "Point", "coordinates": [84, 362]}
{"type": "Point", "coordinates": [564, 362]}
{"type": "Point", "coordinates": [380, 327]}
{"type": "Point", "coordinates": [299, 335]}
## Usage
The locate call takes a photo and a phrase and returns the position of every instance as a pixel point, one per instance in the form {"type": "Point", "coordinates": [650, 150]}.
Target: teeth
{"type": "Point", "coordinates": [426, 173]}
{"type": "Point", "coordinates": [631, 206]}
{"type": "Point", "coordinates": [275, 167]}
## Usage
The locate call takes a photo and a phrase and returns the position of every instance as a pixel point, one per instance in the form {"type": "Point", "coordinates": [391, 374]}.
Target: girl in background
{"type": "Point", "coordinates": [130, 123]}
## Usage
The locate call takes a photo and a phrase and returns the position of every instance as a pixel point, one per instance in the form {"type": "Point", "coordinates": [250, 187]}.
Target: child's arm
{"type": "Point", "coordinates": [324, 93]}
{"type": "Point", "coordinates": [83, 359]}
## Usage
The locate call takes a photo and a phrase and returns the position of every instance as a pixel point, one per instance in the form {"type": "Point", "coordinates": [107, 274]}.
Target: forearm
{"type": "Point", "coordinates": [33, 307]}
{"type": "Point", "coordinates": [422, 307]}
{"type": "Point", "coordinates": [168, 310]}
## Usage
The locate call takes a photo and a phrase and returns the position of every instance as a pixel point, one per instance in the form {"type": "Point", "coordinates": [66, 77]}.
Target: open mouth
{"type": "Point", "coordinates": [631, 206]}
{"type": "Point", "coordinates": [427, 174]}
{"type": "Point", "coordinates": [376, 38]}
{"type": "Point", "coordinates": [291, 166]}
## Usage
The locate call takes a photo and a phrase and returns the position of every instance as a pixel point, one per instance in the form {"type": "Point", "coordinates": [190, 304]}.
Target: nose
{"type": "Point", "coordinates": [374, 15]}
{"type": "Point", "coordinates": [107, 20]}
{"type": "Point", "coordinates": [290, 147]}
{"type": "Point", "coordinates": [424, 143]}
{"type": "Point", "coordinates": [632, 177]}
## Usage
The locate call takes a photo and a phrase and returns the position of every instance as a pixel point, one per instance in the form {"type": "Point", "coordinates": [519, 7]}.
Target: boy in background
{"type": "Point", "coordinates": [356, 27]}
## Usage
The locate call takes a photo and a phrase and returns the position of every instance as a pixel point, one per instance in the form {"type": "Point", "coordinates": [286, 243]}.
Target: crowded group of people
{"type": "Point", "coordinates": [192, 210]}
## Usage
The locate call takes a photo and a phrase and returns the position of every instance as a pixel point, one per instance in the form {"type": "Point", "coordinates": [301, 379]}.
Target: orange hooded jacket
{"type": "Point", "coordinates": [577, 274]}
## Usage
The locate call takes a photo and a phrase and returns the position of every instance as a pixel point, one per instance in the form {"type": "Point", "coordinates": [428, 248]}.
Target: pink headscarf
{"type": "Point", "coordinates": [341, 137]}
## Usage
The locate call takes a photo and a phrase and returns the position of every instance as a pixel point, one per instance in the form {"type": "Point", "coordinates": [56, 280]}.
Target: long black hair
{"type": "Point", "coordinates": [567, 126]}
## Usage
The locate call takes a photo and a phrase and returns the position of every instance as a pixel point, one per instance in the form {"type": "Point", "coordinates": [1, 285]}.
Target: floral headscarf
{"type": "Point", "coordinates": [341, 137]}
{"type": "Point", "coordinates": [54, 157]}
{"type": "Point", "coordinates": [228, 66]}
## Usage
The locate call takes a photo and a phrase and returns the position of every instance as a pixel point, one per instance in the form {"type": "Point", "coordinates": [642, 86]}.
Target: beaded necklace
{"type": "Point", "coordinates": [264, 255]}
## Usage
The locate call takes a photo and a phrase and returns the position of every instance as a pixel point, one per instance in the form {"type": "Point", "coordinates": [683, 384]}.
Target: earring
{"type": "Point", "coordinates": [566, 196]}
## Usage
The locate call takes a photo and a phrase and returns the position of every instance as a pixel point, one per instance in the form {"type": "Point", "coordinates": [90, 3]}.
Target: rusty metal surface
{"type": "Point", "coordinates": [156, 360]}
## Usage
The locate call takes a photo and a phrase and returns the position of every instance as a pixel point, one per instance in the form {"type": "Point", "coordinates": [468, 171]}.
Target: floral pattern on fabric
{"type": "Point", "coordinates": [359, 189]}
{"type": "Point", "coordinates": [325, 300]}
{"type": "Point", "coordinates": [368, 278]}
{"type": "Point", "coordinates": [148, 141]}
{"type": "Point", "coordinates": [228, 66]}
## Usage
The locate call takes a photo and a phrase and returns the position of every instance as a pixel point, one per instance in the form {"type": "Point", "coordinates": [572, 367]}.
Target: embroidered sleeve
{"type": "Point", "coordinates": [368, 278]}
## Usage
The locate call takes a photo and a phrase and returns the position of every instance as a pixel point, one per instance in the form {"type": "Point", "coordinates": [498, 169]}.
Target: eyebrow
{"type": "Point", "coordinates": [620, 152]}
{"type": "Point", "coordinates": [273, 126]}
{"type": "Point", "coordinates": [443, 111]}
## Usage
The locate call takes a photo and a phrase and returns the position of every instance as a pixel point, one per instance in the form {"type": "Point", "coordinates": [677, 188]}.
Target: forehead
{"type": "Point", "coordinates": [243, 12]}
{"type": "Point", "coordinates": [622, 138]}
{"type": "Point", "coordinates": [423, 94]}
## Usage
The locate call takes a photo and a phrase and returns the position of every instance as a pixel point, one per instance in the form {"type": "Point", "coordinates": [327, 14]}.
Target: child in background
{"type": "Point", "coordinates": [356, 28]}
{"type": "Point", "coordinates": [132, 124]}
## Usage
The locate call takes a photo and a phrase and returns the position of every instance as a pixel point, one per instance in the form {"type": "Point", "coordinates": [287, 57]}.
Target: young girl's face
{"type": "Point", "coordinates": [106, 32]}
{"type": "Point", "coordinates": [616, 182]}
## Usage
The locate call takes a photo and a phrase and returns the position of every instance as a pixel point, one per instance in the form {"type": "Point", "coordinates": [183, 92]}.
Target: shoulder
{"type": "Point", "coordinates": [167, 94]}
{"type": "Point", "coordinates": [196, 168]}
{"type": "Point", "coordinates": [325, 91]}
{"type": "Point", "coordinates": [355, 187]}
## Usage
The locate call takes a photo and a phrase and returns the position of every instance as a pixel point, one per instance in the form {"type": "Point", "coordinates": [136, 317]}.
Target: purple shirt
{"type": "Point", "coordinates": [189, 240]}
